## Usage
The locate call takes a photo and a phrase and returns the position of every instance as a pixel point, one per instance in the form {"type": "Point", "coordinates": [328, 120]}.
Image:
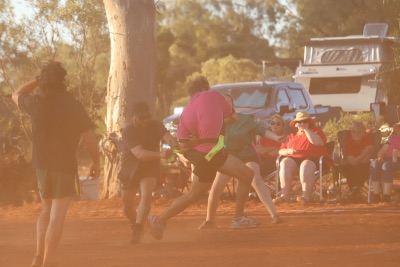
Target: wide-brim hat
{"type": "Point", "coordinates": [302, 116]}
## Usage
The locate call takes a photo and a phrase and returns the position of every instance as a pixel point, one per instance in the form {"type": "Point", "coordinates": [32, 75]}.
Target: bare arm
{"type": "Point", "coordinates": [314, 138]}
{"type": "Point", "coordinates": [271, 135]}
{"type": "Point", "coordinates": [25, 89]}
{"type": "Point", "coordinates": [382, 152]}
{"type": "Point", "coordinates": [143, 154]}
{"type": "Point", "coordinates": [363, 157]}
{"type": "Point", "coordinates": [287, 151]}
{"type": "Point", "coordinates": [91, 145]}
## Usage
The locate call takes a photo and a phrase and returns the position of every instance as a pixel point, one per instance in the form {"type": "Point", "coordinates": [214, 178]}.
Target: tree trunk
{"type": "Point", "coordinates": [132, 71]}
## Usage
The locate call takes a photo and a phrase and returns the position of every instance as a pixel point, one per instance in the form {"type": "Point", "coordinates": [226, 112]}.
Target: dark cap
{"type": "Point", "coordinates": [140, 109]}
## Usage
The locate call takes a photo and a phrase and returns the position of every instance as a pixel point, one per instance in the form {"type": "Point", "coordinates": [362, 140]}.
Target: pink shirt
{"type": "Point", "coordinates": [204, 117]}
{"type": "Point", "coordinates": [393, 142]}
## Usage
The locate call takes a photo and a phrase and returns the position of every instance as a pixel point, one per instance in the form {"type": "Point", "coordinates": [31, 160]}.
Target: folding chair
{"type": "Point", "coordinates": [270, 182]}
{"type": "Point", "coordinates": [319, 173]}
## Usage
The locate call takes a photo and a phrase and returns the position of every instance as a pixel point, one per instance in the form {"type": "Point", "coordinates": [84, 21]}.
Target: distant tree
{"type": "Point", "coordinates": [73, 32]}
{"type": "Point", "coordinates": [216, 30]}
{"type": "Point", "coordinates": [230, 70]}
{"type": "Point", "coordinates": [300, 20]}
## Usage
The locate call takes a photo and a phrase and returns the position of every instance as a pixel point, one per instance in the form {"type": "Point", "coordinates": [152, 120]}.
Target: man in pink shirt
{"type": "Point", "coordinates": [200, 133]}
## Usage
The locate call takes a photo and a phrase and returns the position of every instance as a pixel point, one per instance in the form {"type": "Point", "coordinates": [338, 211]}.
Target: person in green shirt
{"type": "Point", "coordinates": [239, 138]}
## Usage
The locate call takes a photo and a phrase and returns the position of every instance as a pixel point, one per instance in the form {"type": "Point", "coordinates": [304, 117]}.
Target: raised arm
{"type": "Point", "coordinates": [25, 89]}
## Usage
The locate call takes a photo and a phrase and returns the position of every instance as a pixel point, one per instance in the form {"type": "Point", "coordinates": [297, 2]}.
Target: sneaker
{"type": "Point", "coordinates": [276, 219]}
{"type": "Point", "coordinates": [37, 261]}
{"type": "Point", "coordinates": [244, 222]}
{"type": "Point", "coordinates": [375, 198]}
{"type": "Point", "coordinates": [207, 225]}
{"type": "Point", "coordinates": [386, 199]}
{"type": "Point", "coordinates": [156, 228]}
{"type": "Point", "coordinates": [137, 234]}
{"type": "Point", "coordinates": [278, 200]}
{"type": "Point", "coordinates": [302, 200]}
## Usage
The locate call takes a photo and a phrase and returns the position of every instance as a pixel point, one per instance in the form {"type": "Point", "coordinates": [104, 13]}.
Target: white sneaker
{"type": "Point", "coordinates": [244, 222]}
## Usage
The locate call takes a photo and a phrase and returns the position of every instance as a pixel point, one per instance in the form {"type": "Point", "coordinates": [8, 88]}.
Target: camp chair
{"type": "Point", "coordinates": [370, 188]}
{"type": "Point", "coordinates": [342, 137]}
{"type": "Point", "coordinates": [319, 173]}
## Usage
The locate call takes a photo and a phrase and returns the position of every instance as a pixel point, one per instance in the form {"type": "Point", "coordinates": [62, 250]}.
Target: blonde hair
{"type": "Point", "coordinates": [279, 118]}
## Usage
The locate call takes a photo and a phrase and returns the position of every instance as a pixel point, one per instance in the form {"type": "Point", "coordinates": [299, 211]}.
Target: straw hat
{"type": "Point", "coordinates": [302, 116]}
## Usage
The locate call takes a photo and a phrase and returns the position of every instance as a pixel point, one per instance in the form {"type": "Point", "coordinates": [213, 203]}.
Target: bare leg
{"type": "Point", "coordinates": [147, 186]}
{"type": "Point", "coordinates": [197, 190]}
{"type": "Point", "coordinates": [288, 168]}
{"type": "Point", "coordinates": [41, 227]}
{"type": "Point", "coordinates": [236, 168]}
{"type": "Point", "coordinates": [55, 228]}
{"type": "Point", "coordinates": [261, 190]}
{"type": "Point", "coordinates": [307, 177]}
{"type": "Point", "coordinates": [128, 202]}
{"type": "Point", "coordinates": [215, 193]}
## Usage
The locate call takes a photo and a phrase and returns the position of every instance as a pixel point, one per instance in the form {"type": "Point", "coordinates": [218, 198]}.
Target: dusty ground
{"type": "Point", "coordinates": [97, 234]}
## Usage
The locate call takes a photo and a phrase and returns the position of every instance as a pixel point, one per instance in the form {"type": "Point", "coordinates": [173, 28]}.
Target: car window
{"type": "Point", "coordinates": [282, 98]}
{"type": "Point", "coordinates": [299, 100]}
{"type": "Point", "coordinates": [247, 97]}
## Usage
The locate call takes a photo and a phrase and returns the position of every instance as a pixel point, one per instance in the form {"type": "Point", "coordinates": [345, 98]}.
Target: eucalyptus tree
{"type": "Point", "coordinates": [132, 71]}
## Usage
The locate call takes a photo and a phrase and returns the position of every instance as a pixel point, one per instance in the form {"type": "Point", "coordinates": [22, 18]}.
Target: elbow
{"type": "Point", "coordinates": [14, 97]}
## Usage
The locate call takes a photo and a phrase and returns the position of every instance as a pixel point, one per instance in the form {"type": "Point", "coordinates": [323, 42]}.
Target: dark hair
{"type": "Point", "coordinates": [140, 108]}
{"type": "Point", "coordinates": [52, 77]}
{"type": "Point", "coordinates": [197, 84]}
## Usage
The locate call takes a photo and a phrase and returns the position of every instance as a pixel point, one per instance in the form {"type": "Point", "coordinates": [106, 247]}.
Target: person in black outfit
{"type": "Point", "coordinates": [140, 165]}
{"type": "Point", "coordinates": [59, 122]}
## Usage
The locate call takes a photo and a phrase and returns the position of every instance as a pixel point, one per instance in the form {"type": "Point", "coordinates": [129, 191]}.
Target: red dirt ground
{"type": "Point", "coordinates": [97, 234]}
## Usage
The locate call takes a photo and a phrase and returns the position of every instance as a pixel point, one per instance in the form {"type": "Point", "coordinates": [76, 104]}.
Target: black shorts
{"type": "Point", "coordinates": [206, 170]}
{"type": "Point", "coordinates": [298, 161]}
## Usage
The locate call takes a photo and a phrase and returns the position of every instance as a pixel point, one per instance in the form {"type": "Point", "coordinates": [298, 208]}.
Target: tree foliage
{"type": "Point", "coordinates": [304, 19]}
{"type": "Point", "coordinates": [217, 29]}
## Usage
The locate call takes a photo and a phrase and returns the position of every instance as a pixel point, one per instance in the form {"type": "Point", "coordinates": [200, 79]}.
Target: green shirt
{"type": "Point", "coordinates": [241, 134]}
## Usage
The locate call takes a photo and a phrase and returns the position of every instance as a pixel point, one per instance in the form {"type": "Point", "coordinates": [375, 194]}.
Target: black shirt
{"type": "Point", "coordinates": [149, 138]}
{"type": "Point", "coordinates": [58, 120]}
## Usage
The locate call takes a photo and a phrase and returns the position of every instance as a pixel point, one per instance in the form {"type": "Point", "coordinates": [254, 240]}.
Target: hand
{"type": "Point", "coordinates": [301, 126]}
{"type": "Point", "coordinates": [166, 154]}
{"type": "Point", "coordinates": [94, 171]}
{"type": "Point", "coordinates": [294, 151]}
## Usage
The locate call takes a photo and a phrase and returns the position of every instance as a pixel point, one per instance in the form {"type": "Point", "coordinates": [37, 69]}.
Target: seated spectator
{"type": "Point", "coordinates": [301, 156]}
{"type": "Point", "coordinates": [385, 166]}
{"type": "Point", "coordinates": [357, 152]}
{"type": "Point", "coordinates": [267, 148]}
